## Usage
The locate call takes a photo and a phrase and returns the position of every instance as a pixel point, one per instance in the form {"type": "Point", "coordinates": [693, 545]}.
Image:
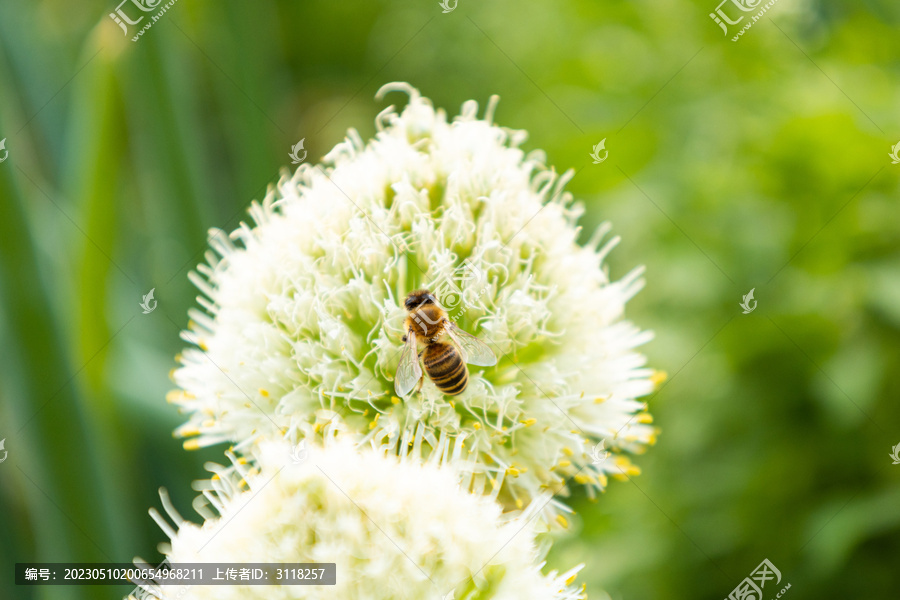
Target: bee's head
{"type": "Point", "coordinates": [419, 298]}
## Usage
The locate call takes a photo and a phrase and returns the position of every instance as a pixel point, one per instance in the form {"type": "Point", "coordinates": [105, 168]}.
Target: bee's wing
{"type": "Point", "coordinates": [473, 350]}
{"type": "Point", "coordinates": [408, 371]}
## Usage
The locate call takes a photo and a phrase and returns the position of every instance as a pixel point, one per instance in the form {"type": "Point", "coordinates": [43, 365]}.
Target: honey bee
{"type": "Point", "coordinates": [445, 362]}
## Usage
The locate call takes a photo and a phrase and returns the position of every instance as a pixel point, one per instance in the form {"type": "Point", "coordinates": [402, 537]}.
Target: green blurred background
{"type": "Point", "coordinates": [758, 164]}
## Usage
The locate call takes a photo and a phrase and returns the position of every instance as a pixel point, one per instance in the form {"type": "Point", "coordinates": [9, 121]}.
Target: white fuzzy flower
{"type": "Point", "coordinates": [395, 529]}
{"type": "Point", "coordinates": [304, 314]}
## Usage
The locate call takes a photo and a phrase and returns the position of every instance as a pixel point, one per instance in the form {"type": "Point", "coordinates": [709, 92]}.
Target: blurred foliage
{"type": "Point", "coordinates": [757, 164]}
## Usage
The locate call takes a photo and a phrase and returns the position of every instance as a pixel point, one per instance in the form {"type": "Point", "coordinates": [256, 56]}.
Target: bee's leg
{"type": "Point", "coordinates": [422, 378]}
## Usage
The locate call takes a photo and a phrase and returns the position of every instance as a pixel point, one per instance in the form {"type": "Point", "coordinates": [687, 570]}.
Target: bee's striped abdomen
{"type": "Point", "coordinates": [445, 367]}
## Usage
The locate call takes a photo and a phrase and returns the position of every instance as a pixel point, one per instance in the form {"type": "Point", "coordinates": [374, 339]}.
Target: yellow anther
{"type": "Point", "coordinates": [263, 393]}
{"type": "Point", "coordinates": [658, 378]}
{"type": "Point", "coordinates": [174, 396]}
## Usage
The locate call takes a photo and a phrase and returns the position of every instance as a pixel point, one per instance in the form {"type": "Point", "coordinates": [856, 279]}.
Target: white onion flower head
{"type": "Point", "coordinates": [396, 529]}
{"type": "Point", "coordinates": [303, 311]}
